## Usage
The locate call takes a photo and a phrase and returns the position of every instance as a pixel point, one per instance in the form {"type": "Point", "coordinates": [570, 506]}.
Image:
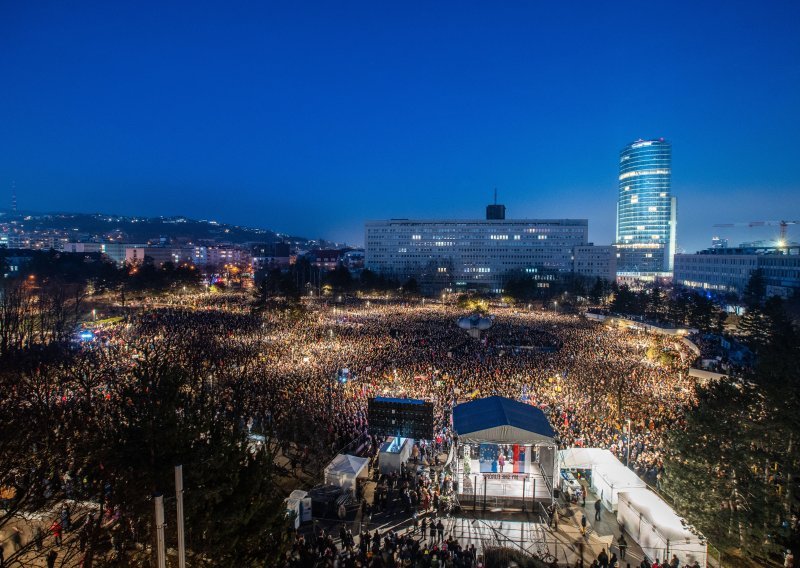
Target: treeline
{"type": "Point", "coordinates": [678, 308]}
{"type": "Point", "coordinates": [302, 278]}
{"type": "Point", "coordinates": [95, 272]}
{"type": "Point", "coordinates": [107, 426]}
{"type": "Point", "coordinates": [43, 301]}
{"type": "Point", "coordinates": [733, 465]}
{"type": "Point", "coordinates": [38, 312]}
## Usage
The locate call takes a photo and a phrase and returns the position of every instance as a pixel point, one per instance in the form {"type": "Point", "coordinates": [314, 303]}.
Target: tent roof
{"type": "Point", "coordinates": [660, 515]}
{"type": "Point", "coordinates": [501, 420]}
{"type": "Point", "coordinates": [295, 497]}
{"type": "Point", "coordinates": [585, 458]}
{"type": "Point", "coordinates": [347, 464]}
{"type": "Point", "coordinates": [617, 475]}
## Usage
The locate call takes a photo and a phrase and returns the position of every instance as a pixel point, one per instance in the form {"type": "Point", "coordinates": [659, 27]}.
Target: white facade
{"type": "Point", "coordinates": [471, 253]}
{"type": "Point", "coordinates": [723, 271]}
{"type": "Point", "coordinates": [595, 262]}
{"type": "Point", "coordinates": [83, 247]}
{"type": "Point", "coordinates": [222, 256]}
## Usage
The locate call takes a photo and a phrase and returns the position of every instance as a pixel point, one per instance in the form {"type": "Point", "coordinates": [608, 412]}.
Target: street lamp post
{"type": "Point", "coordinates": [179, 505]}
{"type": "Point", "coordinates": [160, 550]}
{"type": "Point", "coordinates": [628, 446]}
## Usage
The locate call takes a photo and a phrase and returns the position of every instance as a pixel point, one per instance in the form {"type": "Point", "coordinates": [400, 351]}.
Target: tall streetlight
{"type": "Point", "coordinates": [160, 550]}
{"type": "Point", "coordinates": [179, 502]}
{"type": "Point", "coordinates": [628, 445]}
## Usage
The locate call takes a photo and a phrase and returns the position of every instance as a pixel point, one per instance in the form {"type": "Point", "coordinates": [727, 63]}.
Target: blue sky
{"type": "Point", "coordinates": [310, 117]}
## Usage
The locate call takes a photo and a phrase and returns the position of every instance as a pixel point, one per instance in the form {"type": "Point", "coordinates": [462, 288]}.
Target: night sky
{"type": "Point", "coordinates": [310, 118]}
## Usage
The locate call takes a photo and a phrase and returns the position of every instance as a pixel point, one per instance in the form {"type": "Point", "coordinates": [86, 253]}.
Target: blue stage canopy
{"type": "Point", "coordinates": [501, 421]}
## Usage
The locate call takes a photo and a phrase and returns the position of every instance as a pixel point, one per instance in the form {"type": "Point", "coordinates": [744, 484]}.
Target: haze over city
{"type": "Point", "coordinates": [311, 119]}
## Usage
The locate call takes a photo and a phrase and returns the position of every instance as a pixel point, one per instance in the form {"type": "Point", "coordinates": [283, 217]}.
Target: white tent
{"type": "Point", "coordinates": [344, 470]}
{"type": "Point", "coordinates": [584, 458]}
{"type": "Point", "coordinates": [658, 529]}
{"type": "Point", "coordinates": [608, 479]}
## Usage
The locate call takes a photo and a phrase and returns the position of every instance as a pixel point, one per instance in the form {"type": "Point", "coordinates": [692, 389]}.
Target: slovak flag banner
{"type": "Point", "coordinates": [519, 458]}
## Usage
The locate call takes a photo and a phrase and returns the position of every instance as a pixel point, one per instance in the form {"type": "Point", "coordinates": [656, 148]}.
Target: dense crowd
{"type": "Point", "coordinates": [590, 379]}
{"type": "Point", "coordinates": [424, 546]}
{"type": "Point", "coordinates": [283, 375]}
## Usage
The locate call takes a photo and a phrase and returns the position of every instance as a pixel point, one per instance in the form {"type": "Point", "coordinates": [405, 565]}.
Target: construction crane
{"type": "Point", "coordinates": [782, 224]}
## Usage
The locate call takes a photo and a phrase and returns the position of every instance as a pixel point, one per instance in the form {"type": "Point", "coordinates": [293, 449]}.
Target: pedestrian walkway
{"type": "Point", "coordinates": [27, 538]}
{"type": "Point", "coordinates": [600, 534]}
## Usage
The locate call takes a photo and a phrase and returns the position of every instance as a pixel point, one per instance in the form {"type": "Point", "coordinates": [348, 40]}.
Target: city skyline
{"type": "Point", "coordinates": [314, 121]}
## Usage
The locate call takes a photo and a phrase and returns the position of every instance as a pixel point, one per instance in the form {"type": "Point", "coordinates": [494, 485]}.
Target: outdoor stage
{"type": "Point", "coordinates": [505, 455]}
{"type": "Point", "coordinates": [502, 487]}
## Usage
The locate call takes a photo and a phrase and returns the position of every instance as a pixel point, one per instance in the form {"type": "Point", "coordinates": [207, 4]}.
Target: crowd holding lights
{"type": "Point", "coordinates": [599, 378]}
{"type": "Point", "coordinates": [281, 373]}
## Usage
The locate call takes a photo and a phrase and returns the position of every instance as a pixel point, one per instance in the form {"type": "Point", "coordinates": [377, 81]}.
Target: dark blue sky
{"type": "Point", "coordinates": [312, 117]}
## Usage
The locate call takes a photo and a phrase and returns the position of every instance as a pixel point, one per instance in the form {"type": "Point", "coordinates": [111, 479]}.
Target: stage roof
{"type": "Point", "coordinates": [501, 420]}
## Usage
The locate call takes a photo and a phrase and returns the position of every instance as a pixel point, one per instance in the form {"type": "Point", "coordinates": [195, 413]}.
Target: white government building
{"type": "Point", "coordinates": [477, 253]}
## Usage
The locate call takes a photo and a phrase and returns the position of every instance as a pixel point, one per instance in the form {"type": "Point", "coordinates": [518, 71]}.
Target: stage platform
{"type": "Point", "coordinates": [503, 489]}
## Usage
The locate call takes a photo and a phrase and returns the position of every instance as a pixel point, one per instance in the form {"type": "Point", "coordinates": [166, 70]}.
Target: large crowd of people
{"type": "Point", "coordinates": [596, 383]}
{"type": "Point", "coordinates": [284, 376]}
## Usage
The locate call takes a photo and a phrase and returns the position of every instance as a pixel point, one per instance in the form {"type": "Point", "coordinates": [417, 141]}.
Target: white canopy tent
{"type": "Point", "coordinates": [658, 529]}
{"type": "Point", "coordinates": [584, 458]}
{"type": "Point", "coordinates": [344, 470]}
{"type": "Point", "coordinates": [608, 479]}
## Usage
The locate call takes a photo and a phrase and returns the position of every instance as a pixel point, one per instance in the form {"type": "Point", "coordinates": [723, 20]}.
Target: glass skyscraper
{"type": "Point", "coordinates": [646, 210]}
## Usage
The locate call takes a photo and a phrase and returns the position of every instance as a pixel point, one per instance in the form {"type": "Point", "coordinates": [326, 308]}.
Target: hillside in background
{"type": "Point", "coordinates": [141, 229]}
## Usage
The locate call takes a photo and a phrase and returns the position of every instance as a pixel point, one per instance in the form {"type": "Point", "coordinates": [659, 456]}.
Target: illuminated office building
{"type": "Point", "coordinates": [474, 253]}
{"type": "Point", "coordinates": [646, 210]}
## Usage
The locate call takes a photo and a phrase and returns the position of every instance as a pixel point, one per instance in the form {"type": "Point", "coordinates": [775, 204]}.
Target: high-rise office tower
{"type": "Point", "coordinates": [646, 210]}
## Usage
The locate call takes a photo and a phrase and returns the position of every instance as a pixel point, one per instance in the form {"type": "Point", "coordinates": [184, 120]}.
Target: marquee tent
{"type": "Point", "coordinates": [344, 470]}
{"type": "Point", "coordinates": [585, 458]}
{"type": "Point", "coordinates": [501, 420]}
{"type": "Point", "coordinates": [658, 529]}
{"type": "Point", "coordinates": [609, 479]}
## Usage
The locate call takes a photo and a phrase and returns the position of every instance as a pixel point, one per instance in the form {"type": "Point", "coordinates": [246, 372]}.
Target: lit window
{"type": "Point", "coordinates": [652, 209]}
{"type": "Point", "coordinates": [634, 199]}
{"type": "Point", "coordinates": [627, 175]}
